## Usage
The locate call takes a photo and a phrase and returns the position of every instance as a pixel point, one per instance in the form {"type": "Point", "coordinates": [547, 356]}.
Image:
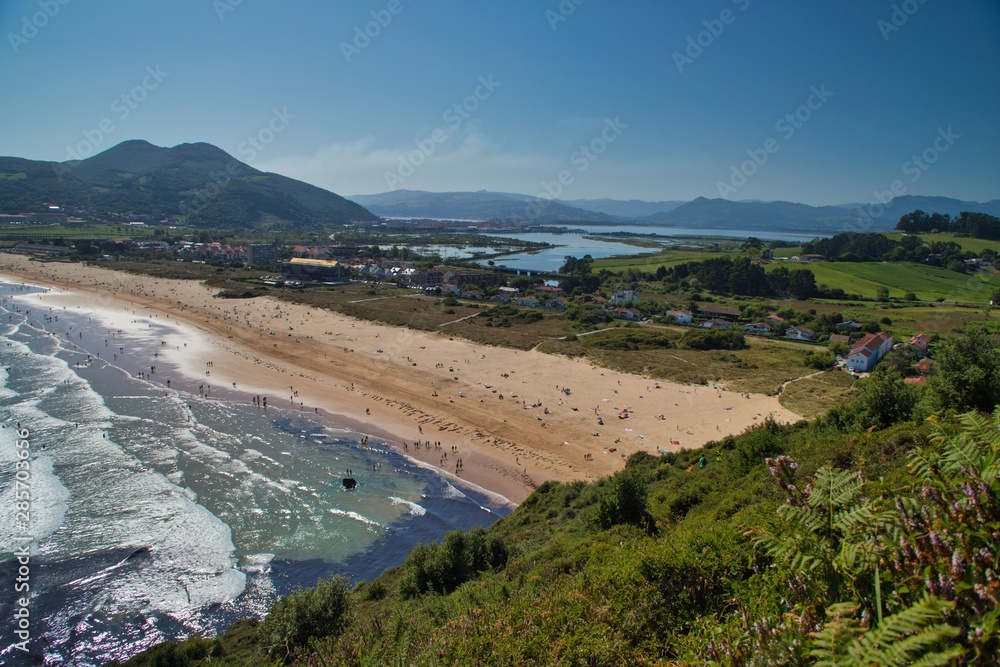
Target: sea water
{"type": "Point", "coordinates": [157, 512]}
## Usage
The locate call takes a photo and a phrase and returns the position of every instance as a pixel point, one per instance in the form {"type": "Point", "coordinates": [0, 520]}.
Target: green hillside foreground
{"type": "Point", "coordinates": [867, 537]}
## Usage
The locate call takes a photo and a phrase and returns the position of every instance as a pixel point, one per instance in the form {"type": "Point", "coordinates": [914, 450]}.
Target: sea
{"type": "Point", "coordinates": [153, 512]}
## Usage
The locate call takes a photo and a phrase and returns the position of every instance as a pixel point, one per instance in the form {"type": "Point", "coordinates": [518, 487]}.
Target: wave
{"type": "Point", "coordinates": [357, 517]}
{"type": "Point", "coordinates": [414, 509]}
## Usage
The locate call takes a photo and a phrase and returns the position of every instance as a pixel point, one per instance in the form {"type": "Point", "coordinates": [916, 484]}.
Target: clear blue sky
{"type": "Point", "coordinates": [561, 75]}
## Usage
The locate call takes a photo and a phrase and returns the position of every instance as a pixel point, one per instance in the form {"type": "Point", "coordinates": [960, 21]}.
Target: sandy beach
{"type": "Point", "coordinates": [514, 418]}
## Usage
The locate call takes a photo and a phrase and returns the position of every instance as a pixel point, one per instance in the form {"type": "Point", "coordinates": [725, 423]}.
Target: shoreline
{"type": "Point", "coordinates": [504, 410]}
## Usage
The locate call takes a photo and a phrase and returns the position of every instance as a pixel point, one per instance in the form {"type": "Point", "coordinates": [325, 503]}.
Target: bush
{"type": "Point", "coordinates": [624, 501]}
{"type": "Point", "coordinates": [441, 568]}
{"type": "Point", "coordinates": [713, 339]}
{"type": "Point", "coordinates": [305, 614]}
{"type": "Point", "coordinates": [820, 360]}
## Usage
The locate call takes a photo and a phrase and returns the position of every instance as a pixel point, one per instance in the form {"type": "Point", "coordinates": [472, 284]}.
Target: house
{"type": "Point", "coordinates": [840, 338]}
{"type": "Point", "coordinates": [473, 294]}
{"type": "Point", "coordinates": [529, 301]}
{"type": "Point", "coordinates": [681, 316]}
{"type": "Point", "coordinates": [547, 290]}
{"type": "Point", "coordinates": [559, 303]}
{"type": "Point", "coordinates": [509, 292]}
{"type": "Point", "coordinates": [850, 326]}
{"type": "Point", "coordinates": [625, 296]}
{"type": "Point", "coordinates": [448, 288]}
{"type": "Point", "coordinates": [868, 351]}
{"type": "Point", "coordinates": [800, 333]}
{"type": "Point", "coordinates": [631, 314]}
{"type": "Point", "coordinates": [716, 324]}
{"type": "Point", "coordinates": [759, 328]}
{"type": "Point", "coordinates": [919, 343]}
{"type": "Point", "coordinates": [809, 257]}
{"type": "Point", "coordinates": [925, 366]}
{"type": "Point", "coordinates": [774, 318]}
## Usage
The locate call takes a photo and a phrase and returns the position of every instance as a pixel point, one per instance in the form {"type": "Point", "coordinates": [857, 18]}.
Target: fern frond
{"type": "Point", "coordinates": [832, 644]}
{"type": "Point", "coordinates": [917, 632]}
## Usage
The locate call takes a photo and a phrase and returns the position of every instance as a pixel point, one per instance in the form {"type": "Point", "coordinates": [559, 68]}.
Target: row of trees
{"type": "Point", "coordinates": [741, 276]}
{"type": "Point", "coordinates": [976, 225]}
{"type": "Point", "coordinates": [854, 247]}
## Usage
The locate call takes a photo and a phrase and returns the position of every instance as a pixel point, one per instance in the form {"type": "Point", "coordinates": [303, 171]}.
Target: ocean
{"type": "Point", "coordinates": [155, 512]}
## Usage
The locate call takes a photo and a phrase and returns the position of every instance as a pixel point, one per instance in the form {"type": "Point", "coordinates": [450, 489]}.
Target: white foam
{"type": "Point", "coordinates": [356, 517]}
{"type": "Point", "coordinates": [414, 509]}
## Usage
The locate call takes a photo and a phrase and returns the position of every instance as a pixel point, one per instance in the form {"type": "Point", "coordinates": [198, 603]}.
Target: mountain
{"type": "Point", "coordinates": [909, 203]}
{"type": "Point", "coordinates": [198, 182]}
{"type": "Point", "coordinates": [482, 205]}
{"type": "Point", "coordinates": [705, 213]}
{"type": "Point", "coordinates": [631, 209]}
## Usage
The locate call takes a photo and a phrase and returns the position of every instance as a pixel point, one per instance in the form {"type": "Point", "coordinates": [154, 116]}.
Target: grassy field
{"type": "Point", "coordinates": [761, 367]}
{"type": "Point", "coordinates": [650, 263]}
{"type": "Point", "coordinates": [929, 283]}
{"type": "Point", "coordinates": [813, 396]}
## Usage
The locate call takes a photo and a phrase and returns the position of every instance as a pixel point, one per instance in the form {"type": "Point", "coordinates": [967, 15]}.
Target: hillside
{"type": "Point", "coordinates": [199, 183]}
{"type": "Point", "coordinates": [482, 205]}
{"type": "Point", "coordinates": [866, 537]}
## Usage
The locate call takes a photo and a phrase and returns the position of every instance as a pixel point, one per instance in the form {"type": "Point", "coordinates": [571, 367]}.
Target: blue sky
{"type": "Point", "coordinates": [629, 99]}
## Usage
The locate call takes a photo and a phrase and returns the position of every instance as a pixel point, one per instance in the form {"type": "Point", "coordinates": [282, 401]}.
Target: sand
{"type": "Point", "coordinates": [515, 418]}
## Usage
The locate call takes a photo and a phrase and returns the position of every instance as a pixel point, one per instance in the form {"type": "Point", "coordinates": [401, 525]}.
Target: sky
{"type": "Point", "coordinates": [820, 103]}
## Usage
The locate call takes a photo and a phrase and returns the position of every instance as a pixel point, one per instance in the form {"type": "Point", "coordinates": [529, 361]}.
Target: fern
{"type": "Point", "coordinates": [915, 636]}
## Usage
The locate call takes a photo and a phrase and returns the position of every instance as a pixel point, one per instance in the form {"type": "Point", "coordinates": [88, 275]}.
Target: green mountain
{"type": "Point", "coordinates": [482, 205]}
{"type": "Point", "coordinates": [199, 183]}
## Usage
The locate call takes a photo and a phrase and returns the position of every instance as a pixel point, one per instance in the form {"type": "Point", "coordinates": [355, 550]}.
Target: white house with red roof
{"type": "Point", "coordinates": [919, 343]}
{"type": "Point", "coordinates": [868, 351]}
{"type": "Point", "coordinates": [800, 333]}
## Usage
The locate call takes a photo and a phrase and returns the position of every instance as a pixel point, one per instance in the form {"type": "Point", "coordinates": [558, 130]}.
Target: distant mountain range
{"type": "Point", "coordinates": [205, 186]}
{"type": "Point", "coordinates": [200, 182]}
{"type": "Point", "coordinates": [482, 205]}
{"type": "Point", "coordinates": [701, 213]}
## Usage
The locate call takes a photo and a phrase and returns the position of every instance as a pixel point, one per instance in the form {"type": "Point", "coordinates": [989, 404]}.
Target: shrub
{"type": "Point", "coordinates": [820, 360]}
{"type": "Point", "coordinates": [441, 568]}
{"type": "Point", "coordinates": [713, 339]}
{"type": "Point", "coordinates": [624, 501]}
{"type": "Point", "coordinates": [305, 614]}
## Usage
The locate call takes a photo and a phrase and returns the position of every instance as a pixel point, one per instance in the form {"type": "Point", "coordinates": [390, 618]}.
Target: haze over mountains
{"type": "Point", "coordinates": [207, 187]}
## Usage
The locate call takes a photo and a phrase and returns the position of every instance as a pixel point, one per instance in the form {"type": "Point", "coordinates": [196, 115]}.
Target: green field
{"type": "Point", "coordinates": [929, 283]}
{"type": "Point", "coordinates": [649, 263]}
{"type": "Point", "coordinates": [83, 233]}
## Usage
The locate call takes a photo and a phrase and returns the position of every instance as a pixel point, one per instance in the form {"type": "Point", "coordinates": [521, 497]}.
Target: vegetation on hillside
{"type": "Point", "coordinates": [839, 542]}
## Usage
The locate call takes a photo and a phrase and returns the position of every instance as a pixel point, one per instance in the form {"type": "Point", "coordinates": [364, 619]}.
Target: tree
{"type": "Point", "coordinates": [882, 293]}
{"type": "Point", "coordinates": [968, 372]}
